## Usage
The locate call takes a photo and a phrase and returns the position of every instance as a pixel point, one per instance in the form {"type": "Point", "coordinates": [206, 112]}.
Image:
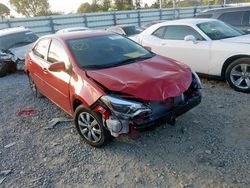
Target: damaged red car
{"type": "Point", "coordinates": [109, 84]}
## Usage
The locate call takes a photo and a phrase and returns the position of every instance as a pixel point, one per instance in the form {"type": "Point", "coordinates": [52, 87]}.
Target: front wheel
{"type": "Point", "coordinates": [90, 127]}
{"type": "Point", "coordinates": [238, 75]}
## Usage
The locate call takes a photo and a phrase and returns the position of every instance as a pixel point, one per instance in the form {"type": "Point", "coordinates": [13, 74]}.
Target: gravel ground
{"type": "Point", "coordinates": [208, 147]}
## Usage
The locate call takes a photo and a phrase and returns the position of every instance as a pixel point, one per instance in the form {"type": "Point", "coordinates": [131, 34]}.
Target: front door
{"type": "Point", "coordinates": [169, 41]}
{"type": "Point", "coordinates": [57, 83]}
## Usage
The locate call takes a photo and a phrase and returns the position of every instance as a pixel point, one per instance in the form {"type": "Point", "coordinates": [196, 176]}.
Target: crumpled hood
{"type": "Point", "coordinates": [19, 52]}
{"type": "Point", "coordinates": [156, 78]}
{"type": "Point", "coordinates": [241, 39]}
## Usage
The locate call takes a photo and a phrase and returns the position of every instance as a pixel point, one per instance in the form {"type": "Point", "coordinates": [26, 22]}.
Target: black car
{"type": "Point", "coordinates": [14, 42]}
{"type": "Point", "coordinates": [238, 17]}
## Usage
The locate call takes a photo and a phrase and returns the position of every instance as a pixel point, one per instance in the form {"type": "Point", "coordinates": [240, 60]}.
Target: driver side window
{"type": "Point", "coordinates": [57, 53]}
{"type": "Point", "coordinates": [178, 32]}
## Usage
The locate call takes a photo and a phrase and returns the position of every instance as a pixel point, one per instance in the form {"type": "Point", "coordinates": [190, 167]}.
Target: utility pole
{"type": "Point", "coordinates": [160, 4]}
{"type": "Point", "coordinates": [224, 2]}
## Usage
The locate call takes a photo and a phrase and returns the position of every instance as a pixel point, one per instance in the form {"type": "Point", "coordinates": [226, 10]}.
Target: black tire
{"type": "Point", "coordinates": [34, 88]}
{"type": "Point", "coordinates": [103, 136]}
{"type": "Point", "coordinates": [237, 75]}
{"type": "Point", "coordinates": [3, 69]}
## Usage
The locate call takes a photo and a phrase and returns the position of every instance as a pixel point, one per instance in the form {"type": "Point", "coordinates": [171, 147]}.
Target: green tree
{"type": "Point", "coordinates": [146, 6]}
{"type": "Point", "coordinates": [156, 4]}
{"type": "Point", "coordinates": [119, 5]}
{"type": "Point", "coordinates": [187, 3]}
{"type": "Point", "coordinates": [31, 7]}
{"type": "Point", "coordinates": [105, 5]}
{"type": "Point", "coordinates": [4, 10]}
{"type": "Point", "coordinates": [84, 8]}
{"type": "Point", "coordinates": [95, 6]}
{"type": "Point", "coordinates": [137, 4]}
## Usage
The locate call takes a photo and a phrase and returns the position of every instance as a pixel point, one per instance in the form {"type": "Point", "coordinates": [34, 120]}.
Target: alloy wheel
{"type": "Point", "coordinates": [89, 127]}
{"type": "Point", "coordinates": [240, 76]}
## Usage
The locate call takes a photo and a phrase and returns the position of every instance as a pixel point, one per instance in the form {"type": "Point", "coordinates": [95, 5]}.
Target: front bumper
{"type": "Point", "coordinates": [170, 114]}
{"type": "Point", "coordinates": [161, 111]}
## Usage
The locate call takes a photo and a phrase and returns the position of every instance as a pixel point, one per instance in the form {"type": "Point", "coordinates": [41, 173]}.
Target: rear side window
{"type": "Point", "coordinates": [246, 19]}
{"type": "Point", "coordinates": [204, 16]}
{"type": "Point", "coordinates": [57, 53]}
{"type": "Point", "coordinates": [41, 48]}
{"type": "Point", "coordinates": [178, 32]}
{"type": "Point", "coordinates": [233, 18]}
{"type": "Point", "coordinates": [131, 30]}
{"type": "Point", "coordinates": [159, 32]}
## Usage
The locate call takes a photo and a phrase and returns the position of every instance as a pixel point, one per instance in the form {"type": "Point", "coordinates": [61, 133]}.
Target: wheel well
{"type": "Point", "coordinates": [228, 61]}
{"type": "Point", "coordinates": [76, 103]}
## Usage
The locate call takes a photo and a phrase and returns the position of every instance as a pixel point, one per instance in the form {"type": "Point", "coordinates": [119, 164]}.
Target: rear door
{"type": "Point", "coordinates": [36, 62]}
{"type": "Point", "coordinates": [57, 83]}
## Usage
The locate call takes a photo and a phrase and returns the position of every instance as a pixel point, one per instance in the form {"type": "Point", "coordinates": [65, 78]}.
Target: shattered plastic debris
{"type": "Point", "coordinates": [5, 172]}
{"type": "Point", "coordinates": [27, 112]}
{"type": "Point", "coordinates": [10, 145]}
{"type": "Point", "coordinates": [52, 123]}
{"type": "Point", "coordinates": [1, 180]}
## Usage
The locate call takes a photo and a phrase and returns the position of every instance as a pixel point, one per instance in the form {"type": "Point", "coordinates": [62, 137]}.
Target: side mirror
{"type": "Point", "coordinates": [147, 48]}
{"type": "Point", "coordinates": [57, 67]}
{"type": "Point", "coordinates": [190, 38]}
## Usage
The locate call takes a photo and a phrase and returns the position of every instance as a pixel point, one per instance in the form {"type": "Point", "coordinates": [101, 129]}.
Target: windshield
{"type": "Point", "coordinates": [219, 30]}
{"type": "Point", "coordinates": [131, 30]}
{"type": "Point", "coordinates": [106, 51]}
{"type": "Point", "coordinates": [17, 40]}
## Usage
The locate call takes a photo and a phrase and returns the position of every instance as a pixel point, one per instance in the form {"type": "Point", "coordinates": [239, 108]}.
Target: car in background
{"type": "Point", "coordinates": [238, 17]}
{"type": "Point", "coordinates": [72, 29]}
{"type": "Point", "coordinates": [208, 46]}
{"type": "Point", "coordinates": [152, 23]}
{"type": "Point", "coordinates": [130, 31]}
{"type": "Point", "coordinates": [14, 43]}
{"type": "Point", "coordinates": [109, 84]}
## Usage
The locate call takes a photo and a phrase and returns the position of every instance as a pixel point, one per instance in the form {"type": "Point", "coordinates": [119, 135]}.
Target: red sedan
{"type": "Point", "coordinates": [108, 83]}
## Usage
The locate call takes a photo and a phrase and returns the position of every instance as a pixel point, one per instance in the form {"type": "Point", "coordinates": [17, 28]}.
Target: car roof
{"type": "Point", "coordinates": [8, 31]}
{"type": "Point", "coordinates": [225, 9]}
{"type": "Point", "coordinates": [122, 26]}
{"type": "Point", "coordinates": [72, 29]}
{"type": "Point", "coordinates": [78, 34]}
{"type": "Point", "coordinates": [189, 21]}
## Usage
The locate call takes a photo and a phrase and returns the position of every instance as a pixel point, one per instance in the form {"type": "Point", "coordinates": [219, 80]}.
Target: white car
{"type": "Point", "coordinates": [72, 29]}
{"type": "Point", "coordinates": [208, 46]}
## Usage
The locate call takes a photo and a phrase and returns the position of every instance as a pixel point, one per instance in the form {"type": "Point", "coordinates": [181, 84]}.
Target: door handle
{"type": "Point", "coordinates": [45, 70]}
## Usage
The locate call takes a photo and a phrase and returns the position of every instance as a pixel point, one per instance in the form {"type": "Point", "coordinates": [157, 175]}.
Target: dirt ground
{"type": "Point", "coordinates": [208, 147]}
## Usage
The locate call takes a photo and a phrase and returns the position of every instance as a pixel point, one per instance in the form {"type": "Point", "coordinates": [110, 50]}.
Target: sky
{"type": "Point", "coordinates": [66, 6]}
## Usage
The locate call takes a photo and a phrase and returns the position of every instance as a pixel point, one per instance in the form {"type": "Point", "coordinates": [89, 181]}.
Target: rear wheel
{"type": "Point", "coordinates": [33, 88]}
{"type": "Point", "coordinates": [90, 127]}
{"type": "Point", "coordinates": [238, 75]}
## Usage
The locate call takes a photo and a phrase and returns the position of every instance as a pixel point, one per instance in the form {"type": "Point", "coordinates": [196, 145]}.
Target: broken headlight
{"type": "Point", "coordinates": [124, 107]}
